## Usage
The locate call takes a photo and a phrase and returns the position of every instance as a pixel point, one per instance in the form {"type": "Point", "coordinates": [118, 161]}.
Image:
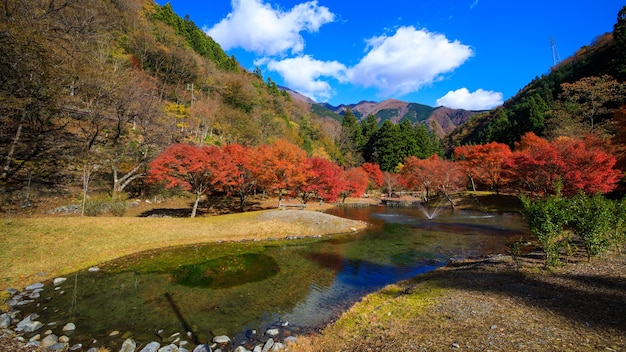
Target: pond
{"type": "Point", "coordinates": [234, 288]}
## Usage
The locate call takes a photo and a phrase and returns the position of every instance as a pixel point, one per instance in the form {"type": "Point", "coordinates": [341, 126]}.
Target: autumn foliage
{"type": "Point", "coordinates": [282, 169]}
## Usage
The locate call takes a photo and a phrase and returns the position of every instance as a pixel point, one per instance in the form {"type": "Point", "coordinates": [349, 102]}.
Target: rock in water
{"type": "Point", "coordinates": [128, 346]}
{"type": "Point", "coordinates": [202, 348]}
{"type": "Point", "coordinates": [151, 347]}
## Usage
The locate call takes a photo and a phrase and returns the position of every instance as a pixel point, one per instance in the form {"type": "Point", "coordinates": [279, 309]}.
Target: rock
{"type": "Point", "coordinates": [151, 347]}
{"type": "Point", "coordinates": [69, 327]}
{"type": "Point", "coordinates": [268, 344]}
{"type": "Point", "coordinates": [278, 347]}
{"type": "Point", "coordinates": [5, 321]}
{"type": "Point", "coordinates": [128, 346]}
{"type": "Point", "coordinates": [114, 333]}
{"type": "Point", "coordinates": [76, 347]}
{"type": "Point", "coordinates": [57, 347]}
{"type": "Point", "coordinates": [93, 269]}
{"type": "Point", "coordinates": [241, 349]}
{"type": "Point", "coordinates": [34, 286]}
{"type": "Point", "coordinates": [12, 292]}
{"type": "Point", "coordinates": [93, 349]}
{"type": "Point", "coordinates": [257, 348]}
{"type": "Point", "coordinates": [169, 348]}
{"type": "Point", "coordinates": [24, 302]}
{"type": "Point", "coordinates": [221, 339]}
{"type": "Point", "coordinates": [456, 345]}
{"type": "Point", "coordinates": [49, 340]}
{"type": "Point", "coordinates": [64, 339]}
{"type": "Point", "coordinates": [28, 325]}
{"type": "Point", "coordinates": [272, 332]}
{"type": "Point", "coordinates": [35, 338]}
{"type": "Point", "coordinates": [251, 334]}
{"type": "Point", "coordinates": [202, 348]}
{"type": "Point", "coordinates": [58, 281]}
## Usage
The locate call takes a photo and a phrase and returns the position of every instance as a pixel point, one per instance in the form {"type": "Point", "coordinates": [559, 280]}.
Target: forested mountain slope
{"type": "Point", "coordinates": [578, 96]}
{"type": "Point", "coordinates": [99, 87]}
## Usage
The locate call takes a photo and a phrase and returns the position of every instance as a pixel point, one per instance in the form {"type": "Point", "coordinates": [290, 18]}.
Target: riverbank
{"type": "Point", "coordinates": [487, 304]}
{"type": "Point", "coordinates": [42, 248]}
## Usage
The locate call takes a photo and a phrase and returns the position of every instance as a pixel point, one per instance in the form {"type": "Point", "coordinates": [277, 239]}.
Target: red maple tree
{"type": "Point", "coordinates": [374, 174]}
{"type": "Point", "coordinates": [244, 181]}
{"type": "Point", "coordinates": [200, 170]}
{"type": "Point", "coordinates": [484, 162]}
{"type": "Point", "coordinates": [353, 182]}
{"type": "Point", "coordinates": [280, 168]}
{"type": "Point", "coordinates": [323, 182]}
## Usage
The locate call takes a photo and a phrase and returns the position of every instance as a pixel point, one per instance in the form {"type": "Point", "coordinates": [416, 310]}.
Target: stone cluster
{"type": "Point", "coordinates": [34, 333]}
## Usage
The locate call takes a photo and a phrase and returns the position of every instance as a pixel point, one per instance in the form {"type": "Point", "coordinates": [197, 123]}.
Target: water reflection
{"type": "Point", "coordinates": [229, 288]}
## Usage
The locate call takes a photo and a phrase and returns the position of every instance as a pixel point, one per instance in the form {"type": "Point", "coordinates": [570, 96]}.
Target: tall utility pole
{"type": "Point", "coordinates": [555, 54]}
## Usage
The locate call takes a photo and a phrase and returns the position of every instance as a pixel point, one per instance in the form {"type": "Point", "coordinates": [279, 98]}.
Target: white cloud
{"type": "Point", "coordinates": [478, 100]}
{"type": "Point", "coordinates": [407, 61]}
{"type": "Point", "coordinates": [258, 27]}
{"type": "Point", "coordinates": [303, 74]}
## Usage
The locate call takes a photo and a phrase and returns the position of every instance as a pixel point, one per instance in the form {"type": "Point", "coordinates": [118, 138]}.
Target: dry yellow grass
{"type": "Point", "coordinates": [36, 249]}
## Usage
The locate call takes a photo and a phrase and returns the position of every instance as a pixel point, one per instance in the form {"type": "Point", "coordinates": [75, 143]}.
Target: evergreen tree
{"type": "Point", "coordinates": [408, 140]}
{"type": "Point", "coordinates": [387, 146]}
{"type": "Point", "coordinates": [428, 143]}
{"type": "Point", "coordinates": [369, 127]}
{"type": "Point", "coordinates": [349, 139]}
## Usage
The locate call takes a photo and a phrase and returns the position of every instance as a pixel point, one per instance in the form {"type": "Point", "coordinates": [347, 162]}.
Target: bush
{"type": "Point", "coordinates": [548, 219]}
{"type": "Point", "coordinates": [99, 205]}
{"type": "Point", "coordinates": [592, 219]}
{"type": "Point", "coordinates": [598, 223]}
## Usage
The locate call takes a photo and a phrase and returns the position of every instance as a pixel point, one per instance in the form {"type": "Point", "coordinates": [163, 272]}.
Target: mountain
{"type": "Point", "coordinates": [441, 120]}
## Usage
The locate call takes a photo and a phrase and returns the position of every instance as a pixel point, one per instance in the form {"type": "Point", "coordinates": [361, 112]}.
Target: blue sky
{"type": "Point", "coordinates": [471, 54]}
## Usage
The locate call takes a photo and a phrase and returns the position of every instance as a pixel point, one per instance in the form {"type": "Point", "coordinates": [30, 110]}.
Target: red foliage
{"type": "Point", "coordinates": [418, 174]}
{"type": "Point", "coordinates": [199, 170]}
{"type": "Point", "coordinates": [374, 174]}
{"type": "Point", "coordinates": [579, 165]}
{"type": "Point", "coordinates": [354, 182]}
{"type": "Point", "coordinates": [280, 168]}
{"type": "Point", "coordinates": [324, 181]}
{"type": "Point", "coordinates": [484, 162]}
{"type": "Point", "coordinates": [244, 181]}
{"type": "Point", "coordinates": [432, 174]}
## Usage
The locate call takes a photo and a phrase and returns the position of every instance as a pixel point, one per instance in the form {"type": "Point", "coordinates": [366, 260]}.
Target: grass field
{"type": "Point", "coordinates": [40, 248]}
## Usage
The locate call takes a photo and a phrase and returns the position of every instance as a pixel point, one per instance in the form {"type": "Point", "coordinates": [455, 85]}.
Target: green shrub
{"type": "Point", "coordinates": [592, 219]}
{"type": "Point", "coordinates": [548, 218]}
{"type": "Point", "coordinates": [102, 204]}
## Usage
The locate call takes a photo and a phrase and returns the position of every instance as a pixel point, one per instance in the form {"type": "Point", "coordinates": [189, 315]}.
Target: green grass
{"type": "Point", "coordinates": [36, 249]}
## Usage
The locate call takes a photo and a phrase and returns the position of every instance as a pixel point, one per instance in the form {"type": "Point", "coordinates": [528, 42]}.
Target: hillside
{"type": "Point", "coordinates": [97, 88]}
{"type": "Point", "coordinates": [580, 95]}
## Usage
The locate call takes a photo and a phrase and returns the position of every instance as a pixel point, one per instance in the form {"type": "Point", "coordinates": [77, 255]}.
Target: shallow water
{"type": "Point", "coordinates": [229, 288]}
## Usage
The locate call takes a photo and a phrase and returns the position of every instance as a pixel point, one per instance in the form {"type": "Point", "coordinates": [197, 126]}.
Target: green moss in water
{"type": "Point", "coordinates": [227, 271]}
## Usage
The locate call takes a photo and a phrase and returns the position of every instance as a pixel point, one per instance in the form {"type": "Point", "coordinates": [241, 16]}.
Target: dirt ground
{"type": "Point", "coordinates": [488, 305]}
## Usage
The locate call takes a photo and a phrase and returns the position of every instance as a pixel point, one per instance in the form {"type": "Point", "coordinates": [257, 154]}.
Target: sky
{"type": "Point", "coordinates": [468, 54]}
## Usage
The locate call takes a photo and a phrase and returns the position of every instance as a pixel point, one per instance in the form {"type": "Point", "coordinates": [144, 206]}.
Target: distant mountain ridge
{"type": "Point", "coordinates": [442, 120]}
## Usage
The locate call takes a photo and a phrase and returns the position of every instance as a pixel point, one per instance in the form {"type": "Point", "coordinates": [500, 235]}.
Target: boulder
{"type": "Point", "coordinates": [28, 324]}
{"type": "Point", "coordinates": [49, 340]}
{"type": "Point", "coordinates": [151, 347]}
{"type": "Point", "coordinates": [129, 345]}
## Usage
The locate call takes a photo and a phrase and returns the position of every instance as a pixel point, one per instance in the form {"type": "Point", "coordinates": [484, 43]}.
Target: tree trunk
{"type": "Point", "coordinates": [9, 157]}
{"type": "Point", "coordinates": [472, 182]}
{"type": "Point", "coordinates": [195, 204]}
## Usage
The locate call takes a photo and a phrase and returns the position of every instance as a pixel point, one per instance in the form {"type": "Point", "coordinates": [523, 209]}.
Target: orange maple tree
{"type": "Point", "coordinates": [484, 162]}
{"type": "Point", "coordinates": [200, 170]}
{"type": "Point", "coordinates": [354, 182]}
{"type": "Point", "coordinates": [280, 168]}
